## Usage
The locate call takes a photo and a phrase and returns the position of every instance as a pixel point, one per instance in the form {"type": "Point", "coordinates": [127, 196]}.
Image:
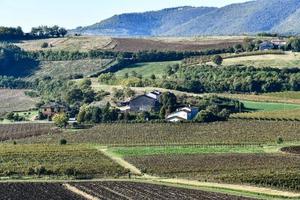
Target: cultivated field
{"type": "Point", "coordinates": [83, 43]}
{"type": "Point", "coordinates": [275, 60]}
{"type": "Point", "coordinates": [292, 150]}
{"type": "Point", "coordinates": [56, 160]}
{"type": "Point", "coordinates": [15, 100]}
{"type": "Point", "coordinates": [278, 97]}
{"type": "Point", "coordinates": [175, 44]}
{"type": "Point", "coordinates": [147, 69]}
{"type": "Point", "coordinates": [36, 191]}
{"type": "Point", "coordinates": [287, 114]}
{"type": "Point", "coordinates": [24, 130]}
{"type": "Point", "coordinates": [272, 170]}
{"type": "Point", "coordinates": [268, 106]}
{"type": "Point", "coordinates": [64, 69]}
{"type": "Point", "coordinates": [231, 132]}
{"type": "Point", "coordinates": [135, 190]}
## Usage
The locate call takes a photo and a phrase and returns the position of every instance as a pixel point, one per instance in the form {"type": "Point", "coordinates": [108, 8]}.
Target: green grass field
{"type": "Point", "coordinates": [147, 69]}
{"type": "Point", "coordinates": [280, 61]}
{"type": "Point", "coordinates": [158, 150]}
{"type": "Point", "coordinates": [266, 106]}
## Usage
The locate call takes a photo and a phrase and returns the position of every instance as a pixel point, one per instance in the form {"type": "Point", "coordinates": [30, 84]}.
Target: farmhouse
{"type": "Point", "coordinates": [147, 102]}
{"type": "Point", "coordinates": [183, 114]}
{"type": "Point", "coordinates": [266, 45]}
{"type": "Point", "coordinates": [50, 109]}
{"type": "Point", "coordinates": [279, 42]}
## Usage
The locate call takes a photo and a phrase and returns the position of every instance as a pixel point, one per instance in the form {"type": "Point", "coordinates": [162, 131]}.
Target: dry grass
{"type": "Point", "coordinates": [15, 100]}
{"type": "Point", "coordinates": [278, 114]}
{"type": "Point", "coordinates": [285, 60]}
{"type": "Point", "coordinates": [67, 68]}
{"type": "Point", "coordinates": [82, 43]}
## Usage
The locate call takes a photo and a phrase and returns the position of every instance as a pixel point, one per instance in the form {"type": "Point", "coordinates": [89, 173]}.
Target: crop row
{"type": "Point", "coordinates": [133, 190]}
{"type": "Point", "coordinates": [40, 160]}
{"type": "Point", "coordinates": [17, 131]}
{"type": "Point", "coordinates": [276, 170]}
{"type": "Point", "coordinates": [36, 191]}
{"type": "Point", "coordinates": [231, 132]}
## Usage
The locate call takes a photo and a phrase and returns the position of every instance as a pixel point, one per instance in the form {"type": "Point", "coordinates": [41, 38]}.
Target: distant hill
{"type": "Point", "coordinates": [280, 16]}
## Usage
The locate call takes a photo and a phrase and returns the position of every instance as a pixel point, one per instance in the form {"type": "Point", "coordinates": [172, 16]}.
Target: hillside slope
{"type": "Point", "coordinates": [291, 25]}
{"type": "Point", "coordinates": [143, 24]}
{"type": "Point", "coordinates": [250, 17]}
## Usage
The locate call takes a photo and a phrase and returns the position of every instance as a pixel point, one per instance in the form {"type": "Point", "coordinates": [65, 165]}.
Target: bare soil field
{"type": "Point", "coordinates": [36, 191]}
{"type": "Point", "coordinates": [173, 44]}
{"type": "Point", "coordinates": [292, 150]}
{"type": "Point", "coordinates": [15, 100]}
{"type": "Point", "coordinates": [133, 190]}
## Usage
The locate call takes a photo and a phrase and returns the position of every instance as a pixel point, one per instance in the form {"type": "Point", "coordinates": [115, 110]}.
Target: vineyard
{"type": "Point", "coordinates": [279, 115]}
{"type": "Point", "coordinates": [56, 160]}
{"type": "Point", "coordinates": [15, 100]}
{"type": "Point", "coordinates": [134, 190]}
{"type": "Point", "coordinates": [66, 69]}
{"type": "Point", "coordinates": [24, 130]}
{"type": "Point", "coordinates": [271, 170]}
{"type": "Point", "coordinates": [36, 191]}
{"type": "Point", "coordinates": [238, 132]}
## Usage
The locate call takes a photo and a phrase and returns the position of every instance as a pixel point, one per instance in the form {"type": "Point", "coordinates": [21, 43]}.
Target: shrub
{"type": "Point", "coordinates": [70, 172]}
{"type": "Point", "coordinates": [217, 59]}
{"type": "Point", "coordinates": [279, 140]}
{"type": "Point", "coordinates": [44, 45]}
{"type": "Point", "coordinates": [63, 142]}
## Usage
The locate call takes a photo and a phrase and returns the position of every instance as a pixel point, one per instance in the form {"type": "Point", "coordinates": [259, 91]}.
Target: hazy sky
{"type": "Point", "coordinates": [73, 13]}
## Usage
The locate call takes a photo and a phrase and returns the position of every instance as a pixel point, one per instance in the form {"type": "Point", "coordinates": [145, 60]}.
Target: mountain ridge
{"type": "Point", "coordinates": [276, 16]}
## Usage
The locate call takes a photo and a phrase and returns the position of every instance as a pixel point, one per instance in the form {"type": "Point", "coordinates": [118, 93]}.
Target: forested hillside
{"type": "Point", "coordinates": [251, 17]}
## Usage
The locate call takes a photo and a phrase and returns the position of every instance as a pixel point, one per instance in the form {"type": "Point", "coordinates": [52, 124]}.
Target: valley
{"type": "Point", "coordinates": [179, 103]}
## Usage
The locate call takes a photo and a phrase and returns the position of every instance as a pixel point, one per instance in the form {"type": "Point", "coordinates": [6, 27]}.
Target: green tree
{"type": "Point", "coordinates": [74, 95]}
{"type": "Point", "coordinates": [60, 120]}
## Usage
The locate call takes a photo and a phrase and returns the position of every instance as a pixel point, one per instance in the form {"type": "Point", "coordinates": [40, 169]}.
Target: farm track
{"type": "Point", "coordinates": [121, 162]}
{"type": "Point", "coordinates": [235, 187]}
{"type": "Point", "coordinates": [79, 192]}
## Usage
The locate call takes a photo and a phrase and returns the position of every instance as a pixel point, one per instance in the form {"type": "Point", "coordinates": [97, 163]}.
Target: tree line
{"type": "Point", "coordinates": [40, 32]}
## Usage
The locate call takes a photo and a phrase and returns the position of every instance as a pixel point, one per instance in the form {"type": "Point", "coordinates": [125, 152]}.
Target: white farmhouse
{"type": "Point", "coordinates": [183, 114]}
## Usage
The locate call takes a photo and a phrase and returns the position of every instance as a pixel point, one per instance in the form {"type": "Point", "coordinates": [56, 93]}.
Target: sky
{"type": "Point", "coordinates": [74, 13]}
